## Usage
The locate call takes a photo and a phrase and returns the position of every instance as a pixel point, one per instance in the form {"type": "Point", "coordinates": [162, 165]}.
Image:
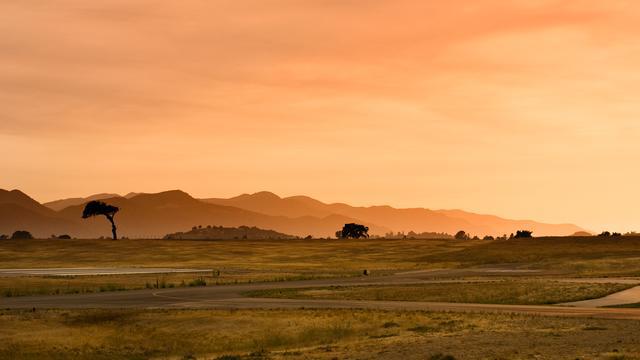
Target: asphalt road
{"type": "Point", "coordinates": [229, 297]}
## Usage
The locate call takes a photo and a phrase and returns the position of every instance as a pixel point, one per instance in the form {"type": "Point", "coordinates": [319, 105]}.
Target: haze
{"type": "Point", "coordinates": [527, 109]}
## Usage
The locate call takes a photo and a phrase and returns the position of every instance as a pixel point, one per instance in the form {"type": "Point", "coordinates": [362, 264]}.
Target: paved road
{"type": "Point", "coordinates": [229, 297]}
{"type": "Point", "coordinates": [629, 296]}
{"type": "Point", "coordinates": [94, 271]}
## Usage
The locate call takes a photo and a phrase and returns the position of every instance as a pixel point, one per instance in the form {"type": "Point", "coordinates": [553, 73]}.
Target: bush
{"type": "Point", "coordinates": [523, 234]}
{"type": "Point", "coordinates": [64, 237]}
{"type": "Point", "coordinates": [21, 235]}
{"type": "Point", "coordinates": [3, 236]}
{"type": "Point", "coordinates": [197, 282]}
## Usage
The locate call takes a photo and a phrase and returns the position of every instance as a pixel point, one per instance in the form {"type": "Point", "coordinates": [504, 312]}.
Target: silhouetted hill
{"type": "Point", "coordinates": [15, 217]}
{"type": "Point", "coordinates": [17, 197]}
{"type": "Point", "coordinates": [405, 220]}
{"type": "Point", "coordinates": [58, 205]}
{"type": "Point", "coordinates": [219, 233]}
{"type": "Point", "coordinates": [154, 215]}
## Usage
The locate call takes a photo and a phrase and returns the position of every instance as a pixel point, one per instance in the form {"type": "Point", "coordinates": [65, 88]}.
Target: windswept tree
{"type": "Point", "coordinates": [96, 208]}
{"type": "Point", "coordinates": [353, 231]}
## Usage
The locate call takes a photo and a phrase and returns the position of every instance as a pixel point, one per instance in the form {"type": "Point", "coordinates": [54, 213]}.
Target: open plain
{"type": "Point", "coordinates": [311, 299]}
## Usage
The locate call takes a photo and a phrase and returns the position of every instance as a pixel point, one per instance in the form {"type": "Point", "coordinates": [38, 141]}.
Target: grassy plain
{"type": "Point", "coordinates": [275, 260]}
{"type": "Point", "coordinates": [575, 256]}
{"type": "Point", "coordinates": [238, 261]}
{"type": "Point", "coordinates": [305, 334]}
{"type": "Point", "coordinates": [517, 291]}
{"type": "Point", "coordinates": [322, 334]}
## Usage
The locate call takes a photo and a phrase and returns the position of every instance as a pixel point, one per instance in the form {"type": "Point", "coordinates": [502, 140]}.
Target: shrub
{"type": "Point", "coordinates": [197, 282]}
{"type": "Point", "coordinates": [462, 235]}
{"type": "Point", "coordinates": [21, 235]}
{"type": "Point", "coordinates": [523, 234]}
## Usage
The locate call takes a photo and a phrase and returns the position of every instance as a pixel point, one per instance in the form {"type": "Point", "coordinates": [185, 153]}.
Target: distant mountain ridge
{"type": "Point", "coordinates": [405, 220]}
{"type": "Point", "coordinates": [155, 215]}
{"type": "Point", "coordinates": [58, 205]}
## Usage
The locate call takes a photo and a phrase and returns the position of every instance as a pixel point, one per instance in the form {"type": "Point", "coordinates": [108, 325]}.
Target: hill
{"type": "Point", "coordinates": [405, 220]}
{"type": "Point", "coordinates": [18, 211]}
{"type": "Point", "coordinates": [58, 205]}
{"type": "Point", "coordinates": [220, 233]}
{"type": "Point", "coordinates": [154, 215]}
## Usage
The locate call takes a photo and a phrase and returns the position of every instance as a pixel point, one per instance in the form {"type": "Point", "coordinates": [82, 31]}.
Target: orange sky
{"type": "Point", "coordinates": [525, 109]}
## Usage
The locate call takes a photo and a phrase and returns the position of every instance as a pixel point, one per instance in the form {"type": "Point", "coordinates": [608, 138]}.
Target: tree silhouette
{"type": "Point", "coordinates": [354, 231]}
{"type": "Point", "coordinates": [461, 235]}
{"type": "Point", "coordinates": [95, 208]}
{"type": "Point", "coordinates": [521, 234]}
{"type": "Point", "coordinates": [21, 235]}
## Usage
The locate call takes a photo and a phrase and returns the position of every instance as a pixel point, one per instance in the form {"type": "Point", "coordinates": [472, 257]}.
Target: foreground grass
{"type": "Point", "coordinates": [520, 292]}
{"type": "Point", "coordinates": [304, 334]}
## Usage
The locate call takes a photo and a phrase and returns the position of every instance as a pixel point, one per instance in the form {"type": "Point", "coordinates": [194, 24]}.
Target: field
{"type": "Point", "coordinates": [527, 271]}
{"type": "Point", "coordinates": [304, 334]}
{"type": "Point", "coordinates": [517, 292]}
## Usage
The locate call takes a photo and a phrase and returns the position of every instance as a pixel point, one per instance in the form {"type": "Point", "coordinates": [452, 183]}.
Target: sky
{"type": "Point", "coordinates": [524, 109]}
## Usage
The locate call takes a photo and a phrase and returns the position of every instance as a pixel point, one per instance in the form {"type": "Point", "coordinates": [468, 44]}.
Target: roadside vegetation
{"type": "Point", "coordinates": [59, 285]}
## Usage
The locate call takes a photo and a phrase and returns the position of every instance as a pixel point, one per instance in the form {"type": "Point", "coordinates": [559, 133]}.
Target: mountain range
{"type": "Point", "coordinates": [155, 215]}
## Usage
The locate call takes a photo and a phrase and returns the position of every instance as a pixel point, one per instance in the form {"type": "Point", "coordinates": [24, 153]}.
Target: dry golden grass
{"type": "Point", "coordinates": [262, 255]}
{"type": "Point", "coordinates": [308, 334]}
{"type": "Point", "coordinates": [55, 285]}
{"type": "Point", "coordinates": [521, 292]}
{"type": "Point", "coordinates": [584, 256]}
{"type": "Point", "coordinates": [273, 260]}
{"type": "Point", "coordinates": [590, 256]}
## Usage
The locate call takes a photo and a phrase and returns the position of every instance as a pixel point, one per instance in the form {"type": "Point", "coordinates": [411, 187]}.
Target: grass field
{"type": "Point", "coordinates": [572, 255]}
{"type": "Point", "coordinates": [54, 285]}
{"type": "Point", "coordinates": [304, 334]}
{"type": "Point", "coordinates": [302, 256]}
{"type": "Point", "coordinates": [521, 292]}
{"type": "Point", "coordinates": [238, 261]}
{"type": "Point", "coordinates": [578, 256]}
{"type": "Point", "coordinates": [274, 260]}
{"type": "Point", "coordinates": [321, 334]}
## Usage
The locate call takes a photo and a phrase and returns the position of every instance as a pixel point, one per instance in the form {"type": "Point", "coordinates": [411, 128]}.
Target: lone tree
{"type": "Point", "coordinates": [353, 231]}
{"type": "Point", "coordinates": [95, 208]}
